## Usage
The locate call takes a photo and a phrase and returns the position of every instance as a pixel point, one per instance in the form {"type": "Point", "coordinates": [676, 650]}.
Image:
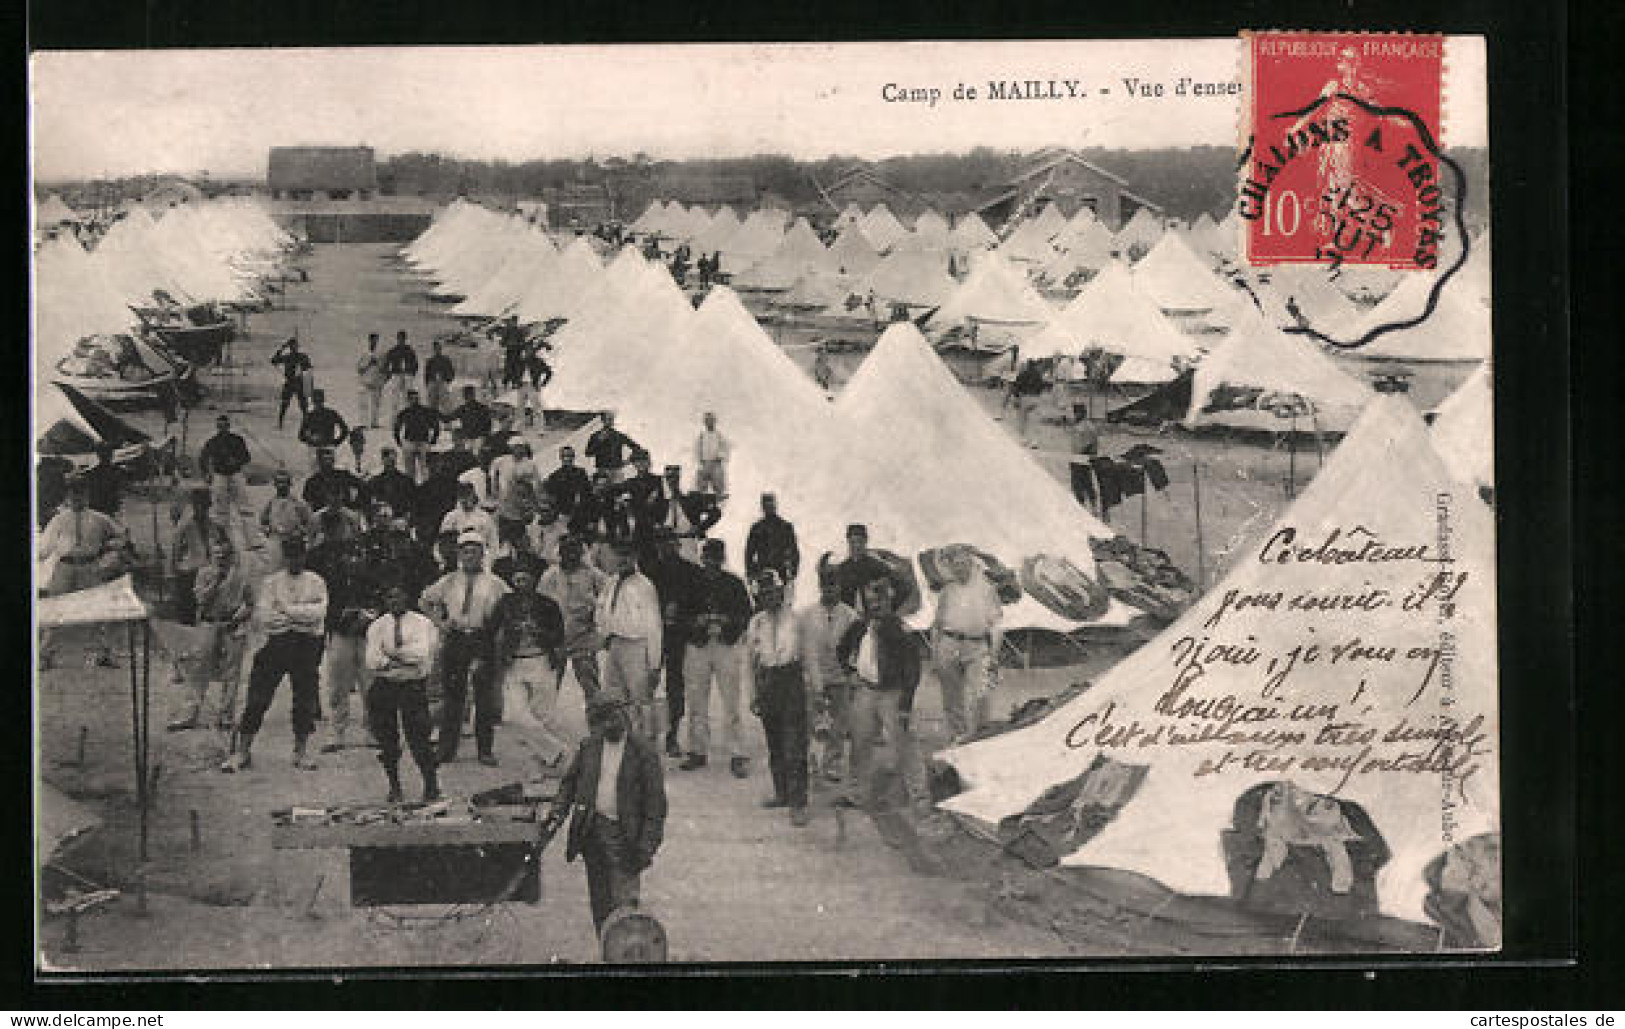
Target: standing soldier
{"type": "Point", "coordinates": [401, 366]}
{"type": "Point", "coordinates": [417, 428]}
{"type": "Point", "coordinates": [716, 612]}
{"type": "Point", "coordinates": [463, 604]}
{"type": "Point", "coordinates": [285, 515]}
{"type": "Point", "coordinates": [615, 796]}
{"type": "Point", "coordinates": [296, 368]}
{"type": "Point", "coordinates": [342, 563]}
{"type": "Point", "coordinates": [224, 604]}
{"type": "Point", "coordinates": [369, 370]}
{"type": "Point", "coordinates": [575, 587]}
{"type": "Point", "coordinates": [438, 375]}
{"type": "Point", "coordinates": [400, 647]}
{"type": "Point", "coordinates": [629, 618]}
{"type": "Point", "coordinates": [293, 606]}
{"type": "Point", "coordinates": [222, 461]}
{"type": "Point", "coordinates": [321, 427]}
{"type": "Point", "coordinates": [77, 547]}
{"type": "Point", "coordinates": [778, 694]}
{"type": "Point", "coordinates": [964, 643]}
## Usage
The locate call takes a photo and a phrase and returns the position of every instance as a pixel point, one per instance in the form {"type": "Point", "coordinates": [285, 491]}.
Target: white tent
{"type": "Point", "coordinates": [799, 251]}
{"type": "Point", "coordinates": [1458, 328]}
{"type": "Point", "coordinates": [852, 253]}
{"type": "Point", "coordinates": [1111, 314]}
{"type": "Point", "coordinates": [932, 227]}
{"type": "Point", "coordinates": [913, 279]}
{"type": "Point", "coordinates": [1271, 368]}
{"type": "Point", "coordinates": [604, 351]}
{"type": "Point", "coordinates": [53, 210]}
{"type": "Point", "coordinates": [994, 294]}
{"type": "Point", "coordinates": [882, 227]}
{"type": "Point", "coordinates": [555, 294]}
{"type": "Point", "coordinates": [1464, 429]}
{"type": "Point", "coordinates": [1177, 279]}
{"type": "Point", "coordinates": [1380, 488]}
{"type": "Point", "coordinates": [950, 474]}
{"type": "Point", "coordinates": [717, 232]}
{"type": "Point", "coordinates": [970, 232]}
{"type": "Point", "coordinates": [529, 258]}
{"type": "Point", "coordinates": [1142, 232]}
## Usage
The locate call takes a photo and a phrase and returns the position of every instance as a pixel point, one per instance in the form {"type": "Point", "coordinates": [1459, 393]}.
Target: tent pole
{"type": "Point", "coordinates": [1145, 489]}
{"type": "Point", "coordinates": [1201, 562]}
{"type": "Point", "coordinates": [1292, 458]}
{"type": "Point", "coordinates": [135, 731]}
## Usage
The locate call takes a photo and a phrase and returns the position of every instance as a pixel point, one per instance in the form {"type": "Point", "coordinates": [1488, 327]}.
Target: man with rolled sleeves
{"type": "Point", "coordinates": [716, 612]}
{"type": "Point", "coordinates": [629, 619]}
{"type": "Point", "coordinates": [575, 587]}
{"type": "Point", "coordinates": [285, 515]}
{"type": "Point", "coordinates": [293, 606]}
{"type": "Point", "coordinates": [399, 650]}
{"type": "Point", "coordinates": [463, 604]}
{"type": "Point", "coordinates": [224, 603]}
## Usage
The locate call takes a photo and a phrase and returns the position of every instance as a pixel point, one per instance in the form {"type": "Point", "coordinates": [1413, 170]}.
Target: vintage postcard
{"type": "Point", "coordinates": [764, 503]}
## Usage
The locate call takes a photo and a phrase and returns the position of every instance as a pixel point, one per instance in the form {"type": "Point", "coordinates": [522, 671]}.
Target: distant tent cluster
{"type": "Point", "coordinates": [153, 295]}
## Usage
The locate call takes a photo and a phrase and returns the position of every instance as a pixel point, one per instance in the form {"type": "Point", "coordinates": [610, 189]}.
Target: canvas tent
{"type": "Point", "coordinates": [1177, 279]}
{"type": "Point", "coordinates": [1457, 329]}
{"type": "Point", "coordinates": [882, 228]}
{"type": "Point", "coordinates": [997, 296]}
{"type": "Point", "coordinates": [70, 425]}
{"type": "Point", "coordinates": [1111, 314]}
{"type": "Point", "coordinates": [852, 253]}
{"type": "Point", "coordinates": [1464, 430]}
{"type": "Point", "coordinates": [1175, 824]}
{"type": "Point", "coordinates": [950, 474]}
{"type": "Point", "coordinates": [1258, 368]}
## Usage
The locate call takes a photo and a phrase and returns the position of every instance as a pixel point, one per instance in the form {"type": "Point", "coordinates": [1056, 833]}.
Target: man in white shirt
{"type": "Point", "coordinates": [629, 618]}
{"type": "Point", "coordinates": [463, 604]}
{"type": "Point", "coordinates": [469, 516]}
{"type": "Point", "coordinates": [517, 486]}
{"type": "Point", "coordinates": [780, 677]}
{"type": "Point", "coordinates": [711, 450]}
{"type": "Point", "coordinates": [400, 647]}
{"type": "Point", "coordinates": [964, 642]}
{"type": "Point", "coordinates": [76, 550]}
{"type": "Point", "coordinates": [547, 531]}
{"type": "Point", "coordinates": [830, 717]}
{"type": "Point", "coordinates": [292, 604]}
{"type": "Point", "coordinates": [370, 370]}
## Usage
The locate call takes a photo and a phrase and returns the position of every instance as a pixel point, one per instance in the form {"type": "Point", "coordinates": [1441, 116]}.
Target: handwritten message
{"type": "Point", "coordinates": [1332, 662]}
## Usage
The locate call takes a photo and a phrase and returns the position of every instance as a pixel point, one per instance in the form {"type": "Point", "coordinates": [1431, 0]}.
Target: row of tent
{"type": "Point", "coordinates": [204, 256]}
{"type": "Point", "coordinates": [907, 450]}
{"type": "Point", "coordinates": [878, 454]}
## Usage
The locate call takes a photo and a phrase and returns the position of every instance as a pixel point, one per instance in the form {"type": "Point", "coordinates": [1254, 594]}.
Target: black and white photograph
{"type": "Point", "coordinates": [696, 504]}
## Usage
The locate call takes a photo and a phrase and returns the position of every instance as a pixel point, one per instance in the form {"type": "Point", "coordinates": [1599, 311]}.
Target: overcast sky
{"type": "Point", "coordinates": [122, 113]}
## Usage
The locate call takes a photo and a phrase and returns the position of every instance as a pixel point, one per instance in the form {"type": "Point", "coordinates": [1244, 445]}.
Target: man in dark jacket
{"type": "Point", "coordinates": [321, 426]}
{"type": "Point", "coordinates": [674, 578]}
{"type": "Point", "coordinates": [401, 366]}
{"type": "Point", "coordinates": [331, 484]}
{"type": "Point", "coordinates": [417, 428]}
{"type": "Point", "coordinates": [615, 795]}
{"type": "Point", "coordinates": [472, 417]}
{"type": "Point", "coordinates": [610, 448]}
{"type": "Point", "coordinates": [568, 483]}
{"type": "Point", "coordinates": [771, 545]}
{"type": "Point", "coordinates": [222, 461]}
{"type": "Point", "coordinates": [882, 657]}
{"type": "Point", "coordinates": [715, 613]}
{"type": "Point", "coordinates": [295, 367]}
{"type": "Point", "coordinates": [391, 486]}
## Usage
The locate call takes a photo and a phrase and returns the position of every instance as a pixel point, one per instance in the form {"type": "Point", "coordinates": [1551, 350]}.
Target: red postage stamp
{"type": "Point", "coordinates": [1344, 161]}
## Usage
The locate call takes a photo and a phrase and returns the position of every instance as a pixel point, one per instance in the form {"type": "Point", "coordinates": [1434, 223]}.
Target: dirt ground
{"type": "Point", "coordinates": [732, 882]}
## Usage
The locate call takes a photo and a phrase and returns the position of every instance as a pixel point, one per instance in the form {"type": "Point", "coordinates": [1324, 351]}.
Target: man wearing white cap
{"type": "Point", "coordinates": [468, 516]}
{"type": "Point", "coordinates": [463, 604]}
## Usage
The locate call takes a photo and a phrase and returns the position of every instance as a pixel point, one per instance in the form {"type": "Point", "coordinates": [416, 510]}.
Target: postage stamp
{"type": "Point", "coordinates": [1345, 163]}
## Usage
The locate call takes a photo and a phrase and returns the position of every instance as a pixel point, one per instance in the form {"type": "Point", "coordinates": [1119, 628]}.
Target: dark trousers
{"type": "Point", "coordinates": [186, 596]}
{"type": "Point", "coordinates": [297, 656]}
{"type": "Point", "coordinates": [674, 647]}
{"type": "Point", "coordinates": [612, 880]}
{"type": "Point", "coordinates": [393, 706]}
{"type": "Point", "coordinates": [465, 661]}
{"type": "Point", "coordinates": [782, 695]}
{"type": "Point", "coordinates": [291, 391]}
